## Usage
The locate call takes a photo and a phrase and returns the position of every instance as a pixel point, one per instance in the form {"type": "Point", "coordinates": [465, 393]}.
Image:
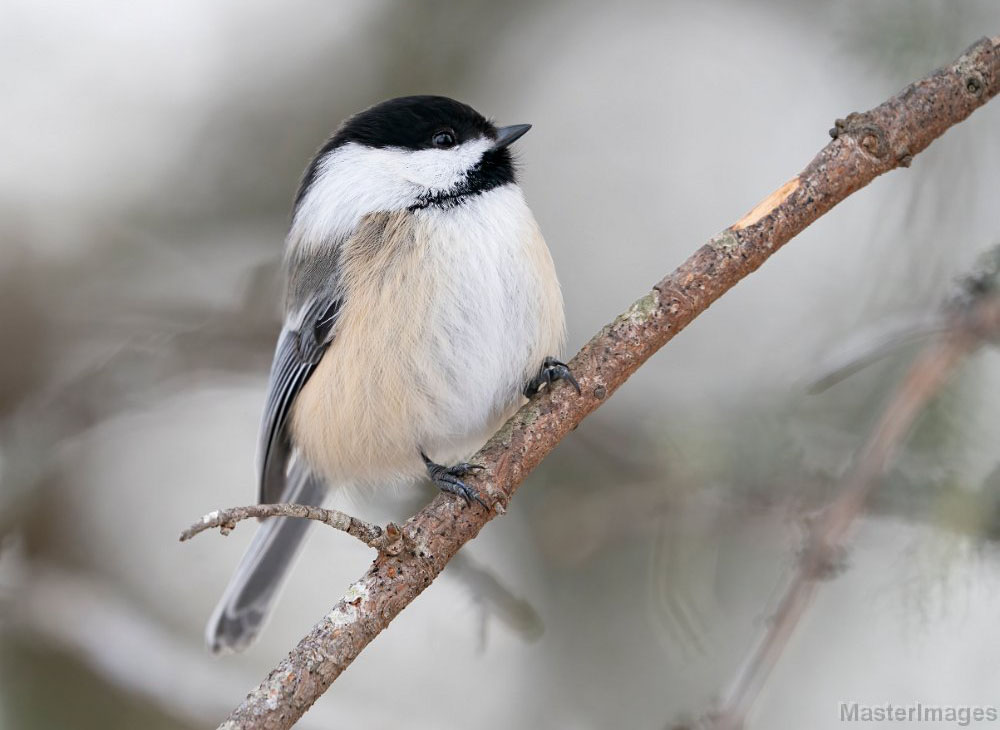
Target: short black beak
{"type": "Point", "coordinates": [506, 135]}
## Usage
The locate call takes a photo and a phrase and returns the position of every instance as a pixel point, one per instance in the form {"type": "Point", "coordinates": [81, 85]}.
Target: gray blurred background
{"type": "Point", "coordinates": [150, 154]}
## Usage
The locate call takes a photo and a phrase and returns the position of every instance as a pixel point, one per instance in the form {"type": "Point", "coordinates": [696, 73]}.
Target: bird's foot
{"type": "Point", "coordinates": [551, 371]}
{"type": "Point", "coordinates": [449, 479]}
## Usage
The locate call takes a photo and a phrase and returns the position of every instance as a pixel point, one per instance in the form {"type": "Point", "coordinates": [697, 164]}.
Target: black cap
{"type": "Point", "coordinates": [414, 123]}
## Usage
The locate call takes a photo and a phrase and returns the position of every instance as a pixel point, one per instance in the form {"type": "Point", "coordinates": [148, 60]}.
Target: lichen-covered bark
{"type": "Point", "coordinates": [864, 146]}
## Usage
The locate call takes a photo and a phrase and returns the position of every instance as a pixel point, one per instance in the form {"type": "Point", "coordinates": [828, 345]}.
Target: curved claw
{"type": "Point", "coordinates": [457, 486]}
{"type": "Point", "coordinates": [551, 371]}
{"type": "Point", "coordinates": [447, 479]}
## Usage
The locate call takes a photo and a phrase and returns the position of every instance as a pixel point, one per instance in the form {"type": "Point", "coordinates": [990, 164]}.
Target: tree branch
{"type": "Point", "coordinates": [864, 147]}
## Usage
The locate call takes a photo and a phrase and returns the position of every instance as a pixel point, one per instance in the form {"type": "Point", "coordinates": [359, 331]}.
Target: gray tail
{"type": "Point", "coordinates": [246, 603]}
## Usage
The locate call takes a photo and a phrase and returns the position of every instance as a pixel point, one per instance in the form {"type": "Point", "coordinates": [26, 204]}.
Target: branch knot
{"type": "Point", "coordinates": [870, 136]}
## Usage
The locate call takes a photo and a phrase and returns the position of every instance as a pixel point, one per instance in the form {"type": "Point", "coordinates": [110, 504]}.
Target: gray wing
{"type": "Point", "coordinates": [300, 347]}
{"type": "Point", "coordinates": [248, 598]}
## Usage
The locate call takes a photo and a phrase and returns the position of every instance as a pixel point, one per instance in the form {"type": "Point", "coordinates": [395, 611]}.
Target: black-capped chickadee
{"type": "Point", "coordinates": [421, 299]}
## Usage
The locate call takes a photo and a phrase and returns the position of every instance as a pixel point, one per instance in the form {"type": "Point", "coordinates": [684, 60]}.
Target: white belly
{"type": "Point", "coordinates": [445, 318]}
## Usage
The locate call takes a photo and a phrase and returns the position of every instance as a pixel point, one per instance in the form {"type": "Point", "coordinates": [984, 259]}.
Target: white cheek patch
{"type": "Point", "coordinates": [440, 170]}
{"type": "Point", "coordinates": [355, 180]}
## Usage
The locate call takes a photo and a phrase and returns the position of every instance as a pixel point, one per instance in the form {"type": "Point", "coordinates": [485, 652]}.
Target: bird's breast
{"type": "Point", "coordinates": [447, 312]}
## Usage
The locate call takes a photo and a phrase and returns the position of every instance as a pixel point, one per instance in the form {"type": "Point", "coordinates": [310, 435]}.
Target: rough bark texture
{"type": "Point", "coordinates": [864, 146]}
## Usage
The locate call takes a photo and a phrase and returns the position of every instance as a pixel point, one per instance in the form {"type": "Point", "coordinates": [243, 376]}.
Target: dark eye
{"type": "Point", "coordinates": [443, 139]}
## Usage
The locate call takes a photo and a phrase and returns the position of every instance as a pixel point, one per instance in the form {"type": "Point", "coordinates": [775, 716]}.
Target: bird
{"type": "Point", "coordinates": [422, 308]}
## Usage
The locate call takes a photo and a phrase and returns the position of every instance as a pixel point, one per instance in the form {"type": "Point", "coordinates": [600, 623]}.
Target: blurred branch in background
{"type": "Point", "coordinates": [154, 342]}
{"type": "Point", "coordinates": [75, 614]}
{"type": "Point", "coordinates": [864, 147]}
{"type": "Point", "coordinates": [973, 319]}
{"type": "Point", "coordinates": [494, 599]}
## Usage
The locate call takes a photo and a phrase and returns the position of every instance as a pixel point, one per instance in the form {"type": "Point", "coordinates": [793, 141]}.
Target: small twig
{"type": "Point", "coordinates": [388, 540]}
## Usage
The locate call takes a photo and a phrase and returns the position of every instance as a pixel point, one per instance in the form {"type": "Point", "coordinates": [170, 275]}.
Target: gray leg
{"type": "Point", "coordinates": [449, 479]}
